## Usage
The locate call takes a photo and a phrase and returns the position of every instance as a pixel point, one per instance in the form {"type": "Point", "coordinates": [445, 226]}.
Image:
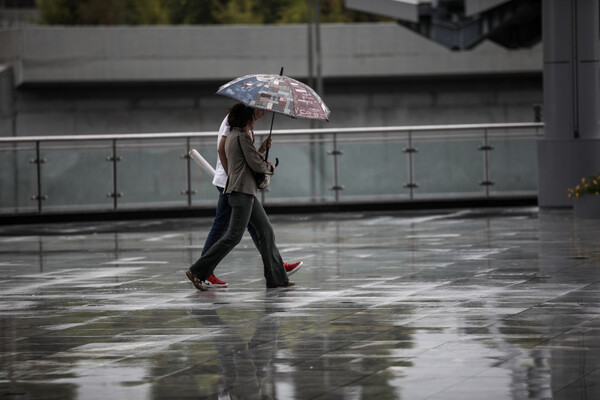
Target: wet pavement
{"type": "Point", "coordinates": [458, 304]}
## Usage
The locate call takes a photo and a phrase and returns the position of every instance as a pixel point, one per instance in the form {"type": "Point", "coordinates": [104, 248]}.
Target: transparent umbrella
{"type": "Point", "coordinates": [278, 93]}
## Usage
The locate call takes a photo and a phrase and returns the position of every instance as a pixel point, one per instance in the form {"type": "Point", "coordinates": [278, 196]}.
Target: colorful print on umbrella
{"type": "Point", "coordinates": [277, 93]}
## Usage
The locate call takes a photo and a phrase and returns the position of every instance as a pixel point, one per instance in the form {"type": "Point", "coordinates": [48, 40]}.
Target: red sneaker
{"type": "Point", "coordinates": [213, 281]}
{"type": "Point", "coordinates": [292, 268]}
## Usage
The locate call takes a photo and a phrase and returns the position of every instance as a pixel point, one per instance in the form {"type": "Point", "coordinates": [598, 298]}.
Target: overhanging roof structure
{"type": "Point", "coordinates": [463, 24]}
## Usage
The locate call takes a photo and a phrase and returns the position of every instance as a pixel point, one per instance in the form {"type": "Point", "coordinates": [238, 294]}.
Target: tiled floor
{"type": "Point", "coordinates": [462, 304]}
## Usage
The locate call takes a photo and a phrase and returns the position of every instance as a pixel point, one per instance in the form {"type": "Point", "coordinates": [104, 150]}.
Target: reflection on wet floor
{"type": "Point", "coordinates": [472, 304]}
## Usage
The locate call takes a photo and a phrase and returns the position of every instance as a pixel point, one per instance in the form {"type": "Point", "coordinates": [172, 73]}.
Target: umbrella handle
{"type": "Point", "coordinates": [270, 132]}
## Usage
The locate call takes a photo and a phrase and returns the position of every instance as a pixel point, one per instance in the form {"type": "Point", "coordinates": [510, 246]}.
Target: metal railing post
{"type": "Point", "coordinates": [411, 185]}
{"type": "Point", "coordinates": [336, 181]}
{"type": "Point", "coordinates": [114, 159]}
{"type": "Point", "coordinates": [189, 192]}
{"type": "Point", "coordinates": [486, 169]}
{"type": "Point", "coordinates": [38, 161]}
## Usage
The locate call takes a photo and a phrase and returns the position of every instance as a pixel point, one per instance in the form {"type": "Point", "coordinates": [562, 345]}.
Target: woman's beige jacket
{"type": "Point", "coordinates": [242, 160]}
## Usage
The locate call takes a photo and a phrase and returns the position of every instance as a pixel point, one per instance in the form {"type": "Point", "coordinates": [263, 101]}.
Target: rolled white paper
{"type": "Point", "coordinates": [202, 162]}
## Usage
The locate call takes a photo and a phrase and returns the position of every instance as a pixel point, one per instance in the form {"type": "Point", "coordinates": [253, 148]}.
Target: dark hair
{"type": "Point", "coordinates": [240, 115]}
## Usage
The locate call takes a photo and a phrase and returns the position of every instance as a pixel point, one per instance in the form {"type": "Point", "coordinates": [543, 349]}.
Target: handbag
{"type": "Point", "coordinates": [262, 179]}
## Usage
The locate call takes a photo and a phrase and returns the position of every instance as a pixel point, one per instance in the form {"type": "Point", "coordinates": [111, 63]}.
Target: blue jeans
{"type": "Point", "coordinates": [221, 223]}
{"type": "Point", "coordinates": [245, 208]}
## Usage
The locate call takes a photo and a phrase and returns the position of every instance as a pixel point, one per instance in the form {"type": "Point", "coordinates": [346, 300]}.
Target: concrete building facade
{"type": "Point", "coordinates": [162, 79]}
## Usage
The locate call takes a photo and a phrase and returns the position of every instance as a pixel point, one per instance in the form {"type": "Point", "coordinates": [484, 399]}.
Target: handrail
{"type": "Point", "coordinates": [180, 135]}
{"type": "Point", "coordinates": [335, 137]}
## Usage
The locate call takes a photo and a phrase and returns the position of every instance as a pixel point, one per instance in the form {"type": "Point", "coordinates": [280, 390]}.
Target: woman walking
{"type": "Point", "coordinates": [243, 159]}
{"type": "Point", "coordinates": [223, 213]}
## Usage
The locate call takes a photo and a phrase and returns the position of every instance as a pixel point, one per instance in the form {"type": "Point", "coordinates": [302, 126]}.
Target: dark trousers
{"type": "Point", "coordinates": [245, 209]}
{"type": "Point", "coordinates": [221, 223]}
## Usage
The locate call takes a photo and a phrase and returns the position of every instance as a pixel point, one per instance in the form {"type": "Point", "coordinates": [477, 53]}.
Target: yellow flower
{"type": "Point", "coordinates": [589, 185]}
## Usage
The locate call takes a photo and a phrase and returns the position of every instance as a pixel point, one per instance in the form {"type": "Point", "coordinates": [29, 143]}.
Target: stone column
{"type": "Point", "coordinates": [570, 148]}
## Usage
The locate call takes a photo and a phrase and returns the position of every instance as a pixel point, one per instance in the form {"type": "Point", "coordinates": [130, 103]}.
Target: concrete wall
{"type": "Point", "coordinates": [167, 54]}
{"type": "Point", "coordinates": [98, 109]}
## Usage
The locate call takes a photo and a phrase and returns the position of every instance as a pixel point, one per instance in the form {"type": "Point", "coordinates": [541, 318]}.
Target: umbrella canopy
{"type": "Point", "coordinates": [277, 93]}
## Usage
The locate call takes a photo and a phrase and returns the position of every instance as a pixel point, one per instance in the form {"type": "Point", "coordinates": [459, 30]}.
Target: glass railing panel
{"type": "Point", "coordinates": [18, 178]}
{"type": "Point", "coordinates": [76, 175]}
{"type": "Point", "coordinates": [513, 165]}
{"type": "Point", "coordinates": [151, 173]}
{"type": "Point", "coordinates": [304, 173]}
{"type": "Point", "coordinates": [375, 167]}
{"type": "Point", "coordinates": [203, 191]}
{"type": "Point", "coordinates": [448, 168]}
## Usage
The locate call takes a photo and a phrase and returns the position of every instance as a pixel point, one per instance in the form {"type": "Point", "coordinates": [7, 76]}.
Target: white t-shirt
{"type": "Point", "coordinates": [220, 178]}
